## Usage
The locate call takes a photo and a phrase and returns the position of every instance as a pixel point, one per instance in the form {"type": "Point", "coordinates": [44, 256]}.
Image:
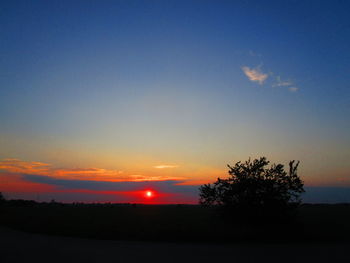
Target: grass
{"type": "Point", "coordinates": [176, 223]}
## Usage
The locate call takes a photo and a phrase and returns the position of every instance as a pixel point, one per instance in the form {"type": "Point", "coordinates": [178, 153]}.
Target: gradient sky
{"type": "Point", "coordinates": [102, 100]}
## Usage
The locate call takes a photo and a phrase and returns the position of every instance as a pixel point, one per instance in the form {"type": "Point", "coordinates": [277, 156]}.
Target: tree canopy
{"type": "Point", "coordinates": [254, 188]}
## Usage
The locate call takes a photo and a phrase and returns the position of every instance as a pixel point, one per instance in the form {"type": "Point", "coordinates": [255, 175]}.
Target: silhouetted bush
{"type": "Point", "coordinates": [2, 198]}
{"type": "Point", "coordinates": [255, 191]}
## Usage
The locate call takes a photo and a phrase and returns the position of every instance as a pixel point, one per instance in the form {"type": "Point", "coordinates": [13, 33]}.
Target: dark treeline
{"type": "Point", "coordinates": [31, 203]}
{"type": "Point", "coordinates": [175, 223]}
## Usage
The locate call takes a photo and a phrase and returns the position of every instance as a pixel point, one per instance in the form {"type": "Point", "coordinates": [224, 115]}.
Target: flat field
{"type": "Point", "coordinates": [174, 223]}
{"type": "Point", "coordinates": [19, 247]}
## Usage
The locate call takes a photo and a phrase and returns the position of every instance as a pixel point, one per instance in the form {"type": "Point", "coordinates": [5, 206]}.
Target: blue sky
{"type": "Point", "coordinates": [129, 85]}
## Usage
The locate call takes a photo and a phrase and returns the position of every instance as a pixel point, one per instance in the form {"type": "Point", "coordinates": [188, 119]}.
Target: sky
{"type": "Point", "coordinates": [102, 101]}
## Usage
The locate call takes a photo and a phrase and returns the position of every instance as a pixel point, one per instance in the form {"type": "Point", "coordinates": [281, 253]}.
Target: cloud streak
{"type": "Point", "coordinates": [92, 174]}
{"type": "Point", "coordinates": [30, 180]}
{"type": "Point", "coordinates": [287, 84]}
{"type": "Point", "coordinates": [280, 83]}
{"type": "Point", "coordinates": [165, 166]}
{"type": "Point", "coordinates": [167, 185]}
{"type": "Point", "coordinates": [255, 74]}
{"type": "Point", "coordinates": [22, 185]}
{"type": "Point", "coordinates": [293, 89]}
{"type": "Point", "coordinates": [17, 166]}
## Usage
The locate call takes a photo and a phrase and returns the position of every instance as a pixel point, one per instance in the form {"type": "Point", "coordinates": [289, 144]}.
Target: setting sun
{"type": "Point", "coordinates": [149, 194]}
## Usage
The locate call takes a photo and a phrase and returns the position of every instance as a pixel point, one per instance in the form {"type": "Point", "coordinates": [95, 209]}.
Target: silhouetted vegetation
{"type": "Point", "coordinates": [2, 199]}
{"type": "Point", "coordinates": [254, 191]}
{"type": "Point", "coordinates": [179, 223]}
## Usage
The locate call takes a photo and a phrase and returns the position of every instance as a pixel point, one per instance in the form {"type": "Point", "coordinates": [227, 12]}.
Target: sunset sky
{"type": "Point", "coordinates": [102, 101]}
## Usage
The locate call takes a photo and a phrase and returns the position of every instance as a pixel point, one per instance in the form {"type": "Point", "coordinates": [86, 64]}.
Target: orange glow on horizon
{"type": "Point", "coordinates": [92, 174]}
{"type": "Point", "coordinates": [15, 183]}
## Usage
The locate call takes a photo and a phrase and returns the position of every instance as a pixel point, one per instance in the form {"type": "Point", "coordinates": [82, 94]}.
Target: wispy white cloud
{"type": "Point", "coordinates": [255, 74]}
{"type": "Point", "coordinates": [281, 83]}
{"type": "Point", "coordinates": [164, 166]}
{"type": "Point", "coordinates": [293, 89]}
{"type": "Point", "coordinates": [287, 84]}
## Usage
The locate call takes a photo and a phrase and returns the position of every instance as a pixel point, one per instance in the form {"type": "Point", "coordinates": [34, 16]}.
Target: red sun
{"type": "Point", "coordinates": [149, 194]}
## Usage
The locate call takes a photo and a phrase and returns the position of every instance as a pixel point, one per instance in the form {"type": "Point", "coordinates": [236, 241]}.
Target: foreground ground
{"type": "Point", "coordinates": [174, 223]}
{"type": "Point", "coordinates": [16, 246]}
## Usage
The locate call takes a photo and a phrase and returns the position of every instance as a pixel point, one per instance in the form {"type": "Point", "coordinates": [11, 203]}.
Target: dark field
{"type": "Point", "coordinates": [174, 223]}
{"type": "Point", "coordinates": [19, 247]}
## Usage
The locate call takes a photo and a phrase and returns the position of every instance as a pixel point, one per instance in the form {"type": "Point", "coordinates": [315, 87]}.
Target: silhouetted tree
{"type": "Point", "coordinates": [253, 189]}
{"type": "Point", "coordinates": [2, 198]}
